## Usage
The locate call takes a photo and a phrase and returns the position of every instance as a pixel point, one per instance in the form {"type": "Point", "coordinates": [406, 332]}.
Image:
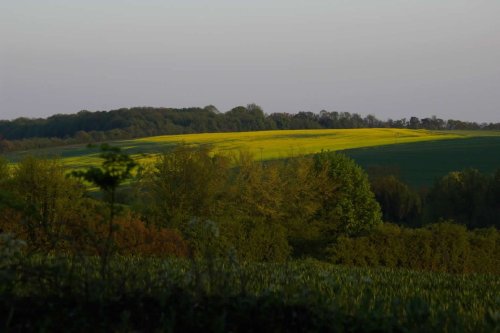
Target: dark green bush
{"type": "Point", "coordinates": [443, 247]}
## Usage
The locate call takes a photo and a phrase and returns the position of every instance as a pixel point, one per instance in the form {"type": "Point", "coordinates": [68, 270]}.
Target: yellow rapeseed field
{"type": "Point", "coordinates": [284, 143]}
{"type": "Point", "coordinates": [263, 145]}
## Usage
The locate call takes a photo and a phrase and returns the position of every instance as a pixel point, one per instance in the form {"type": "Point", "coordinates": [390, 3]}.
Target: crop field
{"type": "Point", "coordinates": [419, 164]}
{"type": "Point", "coordinates": [176, 294]}
{"type": "Point", "coordinates": [264, 145]}
{"type": "Point", "coordinates": [420, 156]}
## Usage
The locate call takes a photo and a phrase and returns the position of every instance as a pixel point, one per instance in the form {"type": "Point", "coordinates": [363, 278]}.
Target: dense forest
{"type": "Point", "coordinates": [86, 126]}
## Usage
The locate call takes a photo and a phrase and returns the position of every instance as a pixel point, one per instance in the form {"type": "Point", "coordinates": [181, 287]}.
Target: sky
{"type": "Point", "coordinates": [390, 58]}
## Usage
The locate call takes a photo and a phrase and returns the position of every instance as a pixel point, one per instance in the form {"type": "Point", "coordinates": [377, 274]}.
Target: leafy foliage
{"type": "Point", "coordinates": [45, 199]}
{"type": "Point", "coordinates": [437, 247]}
{"type": "Point", "coordinates": [115, 169]}
{"type": "Point", "coordinates": [184, 183]}
{"type": "Point", "coordinates": [309, 201]}
{"type": "Point", "coordinates": [399, 203]}
{"type": "Point", "coordinates": [353, 208]}
{"type": "Point", "coordinates": [468, 197]}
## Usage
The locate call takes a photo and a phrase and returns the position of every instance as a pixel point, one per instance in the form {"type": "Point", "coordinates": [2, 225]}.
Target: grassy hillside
{"type": "Point", "coordinates": [264, 144]}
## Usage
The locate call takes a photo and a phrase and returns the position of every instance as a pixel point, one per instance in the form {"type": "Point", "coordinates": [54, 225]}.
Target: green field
{"type": "Point", "coordinates": [420, 155]}
{"type": "Point", "coordinates": [421, 163]}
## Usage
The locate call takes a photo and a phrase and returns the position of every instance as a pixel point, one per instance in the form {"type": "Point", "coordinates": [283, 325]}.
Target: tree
{"type": "Point", "coordinates": [47, 198]}
{"type": "Point", "coordinates": [461, 196]}
{"type": "Point", "coordinates": [398, 202]}
{"type": "Point", "coordinates": [115, 169]}
{"type": "Point", "coordinates": [371, 121]}
{"type": "Point", "coordinates": [184, 183]}
{"type": "Point", "coordinates": [256, 189]}
{"type": "Point", "coordinates": [352, 209]}
{"type": "Point", "coordinates": [414, 123]}
{"type": "Point", "coordinates": [301, 184]}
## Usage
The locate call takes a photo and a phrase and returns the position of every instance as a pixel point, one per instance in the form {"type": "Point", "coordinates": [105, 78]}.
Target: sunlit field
{"type": "Point", "coordinates": [278, 144]}
{"type": "Point", "coordinates": [264, 145]}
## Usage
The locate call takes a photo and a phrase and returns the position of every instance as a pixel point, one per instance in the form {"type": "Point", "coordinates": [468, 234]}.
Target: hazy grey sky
{"type": "Point", "coordinates": [391, 58]}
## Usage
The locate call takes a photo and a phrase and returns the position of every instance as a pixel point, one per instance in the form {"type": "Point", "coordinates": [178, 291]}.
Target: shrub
{"type": "Point", "coordinates": [134, 237]}
{"type": "Point", "coordinates": [260, 240]}
{"type": "Point", "coordinates": [438, 247]}
{"type": "Point", "coordinates": [485, 251]}
{"type": "Point", "coordinates": [450, 247]}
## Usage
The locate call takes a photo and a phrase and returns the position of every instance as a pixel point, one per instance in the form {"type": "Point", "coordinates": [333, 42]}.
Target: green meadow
{"type": "Point", "coordinates": [420, 163]}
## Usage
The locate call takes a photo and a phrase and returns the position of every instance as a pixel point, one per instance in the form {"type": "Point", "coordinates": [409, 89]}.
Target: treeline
{"type": "Point", "coordinates": [196, 203]}
{"type": "Point", "coordinates": [467, 197]}
{"type": "Point", "coordinates": [86, 126]}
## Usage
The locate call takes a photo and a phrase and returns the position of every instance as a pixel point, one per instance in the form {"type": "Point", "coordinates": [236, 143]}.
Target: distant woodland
{"type": "Point", "coordinates": [86, 126]}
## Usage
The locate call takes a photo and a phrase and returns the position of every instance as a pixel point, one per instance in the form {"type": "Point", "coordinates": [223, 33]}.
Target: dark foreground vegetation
{"type": "Point", "coordinates": [140, 294]}
{"type": "Point", "coordinates": [86, 126]}
{"type": "Point", "coordinates": [218, 242]}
